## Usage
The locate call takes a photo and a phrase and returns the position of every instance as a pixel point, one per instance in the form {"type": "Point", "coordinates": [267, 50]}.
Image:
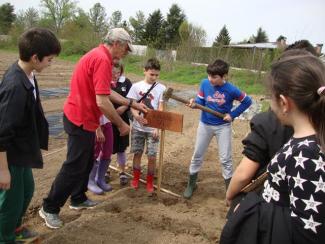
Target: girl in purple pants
{"type": "Point", "coordinates": [102, 157]}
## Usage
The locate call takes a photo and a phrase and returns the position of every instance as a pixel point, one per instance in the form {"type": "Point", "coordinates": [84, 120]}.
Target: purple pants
{"type": "Point", "coordinates": [103, 151]}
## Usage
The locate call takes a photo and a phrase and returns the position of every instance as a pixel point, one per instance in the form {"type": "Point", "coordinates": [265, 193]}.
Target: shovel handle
{"type": "Point", "coordinates": [199, 106]}
{"type": "Point", "coordinates": [209, 110]}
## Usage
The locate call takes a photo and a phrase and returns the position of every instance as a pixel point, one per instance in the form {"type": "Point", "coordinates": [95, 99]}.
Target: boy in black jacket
{"type": "Point", "coordinates": [23, 131]}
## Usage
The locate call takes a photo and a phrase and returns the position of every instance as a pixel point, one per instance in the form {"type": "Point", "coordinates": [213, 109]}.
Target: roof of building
{"type": "Point", "coordinates": [263, 45]}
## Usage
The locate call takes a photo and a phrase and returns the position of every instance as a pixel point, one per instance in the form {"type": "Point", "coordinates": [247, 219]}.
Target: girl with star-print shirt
{"type": "Point", "coordinates": [297, 180]}
{"type": "Point", "coordinates": [291, 208]}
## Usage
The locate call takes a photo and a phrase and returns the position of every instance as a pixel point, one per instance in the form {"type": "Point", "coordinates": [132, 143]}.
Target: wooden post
{"type": "Point", "coordinates": [161, 156]}
{"type": "Point", "coordinates": [165, 121]}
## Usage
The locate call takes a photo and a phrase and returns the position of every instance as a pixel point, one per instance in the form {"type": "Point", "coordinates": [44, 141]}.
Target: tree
{"type": "Point", "coordinates": [125, 25]}
{"type": "Point", "coordinates": [58, 12]}
{"type": "Point", "coordinates": [175, 18]}
{"type": "Point", "coordinates": [7, 17]}
{"type": "Point", "coordinates": [184, 32]}
{"type": "Point", "coordinates": [261, 36]}
{"type": "Point", "coordinates": [116, 19]}
{"type": "Point", "coordinates": [75, 27]}
{"type": "Point", "coordinates": [31, 18]}
{"type": "Point", "coordinates": [98, 18]}
{"type": "Point", "coordinates": [223, 38]}
{"type": "Point", "coordinates": [81, 19]}
{"type": "Point", "coordinates": [191, 35]}
{"type": "Point", "coordinates": [20, 20]}
{"type": "Point", "coordinates": [138, 27]}
{"type": "Point", "coordinates": [78, 34]}
{"type": "Point", "coordinates": [153, 29]}
{"type": "Point", "coordinates": [280, 38]}
{"type": "Point", "coordinates": [27, 19]}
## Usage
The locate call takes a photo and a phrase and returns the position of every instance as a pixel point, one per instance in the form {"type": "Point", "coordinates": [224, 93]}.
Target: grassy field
{"type": "Point", "coordinates": [187, 73]}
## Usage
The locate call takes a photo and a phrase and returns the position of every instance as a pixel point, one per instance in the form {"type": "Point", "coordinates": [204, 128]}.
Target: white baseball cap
{"type": "Point", "coordinates": [119, 34]}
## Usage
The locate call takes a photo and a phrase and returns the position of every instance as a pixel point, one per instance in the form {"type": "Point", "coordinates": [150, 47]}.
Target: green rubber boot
{"type": "Point", "coordinates": [191, 186]}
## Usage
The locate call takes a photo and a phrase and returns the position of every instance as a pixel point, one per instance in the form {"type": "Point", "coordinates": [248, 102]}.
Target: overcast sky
{"type": "Point", "coordinates": [295, 19]}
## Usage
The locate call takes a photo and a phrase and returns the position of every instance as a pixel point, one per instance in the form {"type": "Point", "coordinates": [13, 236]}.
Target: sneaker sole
{"type": "Point", "coordinates": [81, 208]}
{"type": "Point", "coordinates": [46, 223]}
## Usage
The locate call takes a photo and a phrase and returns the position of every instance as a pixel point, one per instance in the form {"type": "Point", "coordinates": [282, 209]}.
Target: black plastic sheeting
{"type": "Point", "coordinates": [54, 92]}
{"type": "Point", "coordinates": [55, 123]}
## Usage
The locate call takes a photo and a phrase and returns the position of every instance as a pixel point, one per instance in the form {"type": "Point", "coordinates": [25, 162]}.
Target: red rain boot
{"type": "Point", "coordinates": [150, 183]}
{"type": "Point", "coordinates": [136, 178]}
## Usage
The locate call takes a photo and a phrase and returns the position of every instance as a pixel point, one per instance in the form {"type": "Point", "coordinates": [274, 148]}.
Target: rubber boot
{"type": "Point", "coordinates": [150, 183]}
{"type": "Point", "coordinates": [191, 186]}
{"type": "Point", "coordinates": [92, 185]}
{"type": "Point", "coordinates": [227, 182]}
{"type": "Point", "coordinates": [136, 178]}
{"type": "Point", "coordinates": [102, 169]}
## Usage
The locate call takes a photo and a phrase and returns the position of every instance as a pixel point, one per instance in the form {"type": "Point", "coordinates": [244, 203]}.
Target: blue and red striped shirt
{"type": "Point", "coordinates": [220, 98]}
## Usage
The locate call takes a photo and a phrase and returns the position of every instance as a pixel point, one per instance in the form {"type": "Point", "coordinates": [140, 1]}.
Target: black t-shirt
{"type": "Point", "coordinates": [123, 88]}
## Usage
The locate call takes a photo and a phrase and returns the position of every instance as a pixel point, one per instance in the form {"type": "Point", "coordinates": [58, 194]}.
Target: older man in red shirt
{"type": "Point", "coordinates": [89, 98]}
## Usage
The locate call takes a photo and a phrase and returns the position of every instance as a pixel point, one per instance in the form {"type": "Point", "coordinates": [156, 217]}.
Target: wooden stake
{"type": "Point", "coordinates": [117, 170]}
{"type": "Point", "coordinates": [145, 182]}
{"type": "Point", "coordinates": [54, 152]}
{"type": "Point", "coordinates": [161, 156]}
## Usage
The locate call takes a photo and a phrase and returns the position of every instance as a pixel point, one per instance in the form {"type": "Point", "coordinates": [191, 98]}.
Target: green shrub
{"type": "Point", "coordinates": [72, 47]}
{"type": "Point", "coordinates": [260, 59]}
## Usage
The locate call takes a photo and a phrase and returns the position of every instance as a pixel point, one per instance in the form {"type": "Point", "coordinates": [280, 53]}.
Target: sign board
{"type": "Point", "coordinates": [164, 120]}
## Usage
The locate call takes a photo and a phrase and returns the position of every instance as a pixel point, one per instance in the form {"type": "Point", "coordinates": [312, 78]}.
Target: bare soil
{"type": "Point", "coordinates": [128, 216]}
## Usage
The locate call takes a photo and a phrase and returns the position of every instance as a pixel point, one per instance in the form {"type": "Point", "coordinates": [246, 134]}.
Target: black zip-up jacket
{"type": "Point", "coordinates": [267, 136]}
{"type": "Point", "coordinates": [23, 126]}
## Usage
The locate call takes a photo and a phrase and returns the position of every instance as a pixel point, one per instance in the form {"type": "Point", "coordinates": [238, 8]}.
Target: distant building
{"type": "Point", "coordinates": [263, 45]}
{"type": "Point", "coordinates": [141, 50]}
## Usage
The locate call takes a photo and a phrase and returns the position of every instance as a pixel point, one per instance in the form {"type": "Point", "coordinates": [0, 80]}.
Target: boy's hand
{"type": "Point", "coordinates": [140, 107]}
{"type": "Point", "coordinates": [100, 135]}
{"type": "Point", "coordinates": [5, 179]}
{"type": "Point", "coordinates": [124, 129]}
{"type": "Point", "coordinates": [228, 202]}
{"type": "Point", "coordinates": [155, 134]}
{"type": "Point", "coordinates": [227, 118]}
{"type": "Point", "coordinates": [191, 103]}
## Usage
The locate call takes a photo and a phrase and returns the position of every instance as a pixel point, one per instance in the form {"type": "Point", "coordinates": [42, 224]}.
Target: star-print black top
{"type": "Point", "coordinates": [297, 180]}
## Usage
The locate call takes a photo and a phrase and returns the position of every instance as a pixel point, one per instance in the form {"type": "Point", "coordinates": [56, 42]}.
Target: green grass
{"type": "Point", "coordinates": [265, 106]}
{"type": "Point", "coordinates": [247, 81]}
{"type": "Point", "coordinates": [72, 58]}
{"type": "Point", "coordinates": [186, 73]}
{"type": "Point", "coordinates": [9, 49]}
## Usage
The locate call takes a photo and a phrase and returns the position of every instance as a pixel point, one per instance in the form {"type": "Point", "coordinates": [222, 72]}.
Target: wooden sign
{"type": "Point", "coordinates": [164, 120]}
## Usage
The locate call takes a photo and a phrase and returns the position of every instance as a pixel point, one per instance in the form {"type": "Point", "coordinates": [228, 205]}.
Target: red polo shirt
{"type": "Point", "coordinates": [91, 77]}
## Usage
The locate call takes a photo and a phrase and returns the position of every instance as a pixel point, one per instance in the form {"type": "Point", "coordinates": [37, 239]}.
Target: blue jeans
{"type": "Point", "coordinates": [203, 138]}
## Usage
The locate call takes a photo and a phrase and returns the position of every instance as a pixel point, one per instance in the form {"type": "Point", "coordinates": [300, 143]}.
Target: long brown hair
{"type": "Point", "coordinates": [299, 76]}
